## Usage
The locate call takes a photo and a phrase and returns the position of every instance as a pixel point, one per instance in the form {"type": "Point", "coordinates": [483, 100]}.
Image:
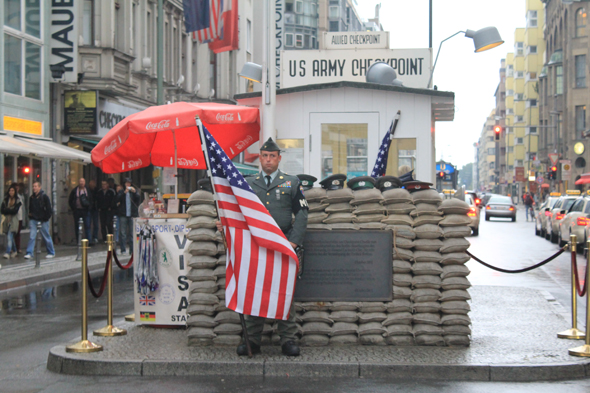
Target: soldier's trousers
{"type": "Point", "coordinates": [287, 330]}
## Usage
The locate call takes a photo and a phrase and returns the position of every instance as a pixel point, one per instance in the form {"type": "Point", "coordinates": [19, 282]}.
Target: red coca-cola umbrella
{"type": "Point", "coordinates": [167, 136]}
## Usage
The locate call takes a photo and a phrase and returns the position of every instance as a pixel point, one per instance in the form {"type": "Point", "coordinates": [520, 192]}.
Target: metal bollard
{"type": "Point", "coordinates": [38, 246]}
{"type": "Point", "coordinates": [110, 330]}
{"type": "Point", "coordinates": [84, 345]}
{"type": "Point", "coordinates": [115, 225]}
{"type": "Point", "coordinates": [584, 350]}
{"type": "Point", "coordinates": [573, 333]}
{"type": "Point", "coordinates": [80, 234]}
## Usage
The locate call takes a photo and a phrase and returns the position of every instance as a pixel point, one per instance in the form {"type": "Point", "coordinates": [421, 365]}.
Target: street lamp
{"type": "Point", "coordinates": [483, 39]}
{"type": "Point", "coordinates": [252, 71]}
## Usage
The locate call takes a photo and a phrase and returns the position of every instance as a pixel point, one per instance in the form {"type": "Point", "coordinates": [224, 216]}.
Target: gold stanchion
{"type": "Point", "coordinates": [584, 350]}
{"type": "Point", "coordinates": [110, 330]}
{"type": "Point", "coordinates": [84, 345]}
{"type": "Point", "coordinates": [574, 333]}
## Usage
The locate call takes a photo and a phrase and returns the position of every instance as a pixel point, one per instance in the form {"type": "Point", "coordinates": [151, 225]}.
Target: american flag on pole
{"type": "Point", "coordinates": [203, 18]}
{"type": "Point", "coordinates": [381, 162]}
{"type": "Point", "coordinates": [261, 264]}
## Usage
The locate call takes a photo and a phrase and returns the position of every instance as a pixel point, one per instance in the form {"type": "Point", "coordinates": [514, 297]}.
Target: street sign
{"type": "Point", "coordinates": [553, 157]}
{"type": "Point", "coordinates": [519, 172]}
{"type": "Point", "coordinates": [540, 180]}
{"type": "Point", "coordinates": [566, 170]}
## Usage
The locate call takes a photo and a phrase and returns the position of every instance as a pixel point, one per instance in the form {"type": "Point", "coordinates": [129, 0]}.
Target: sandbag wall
{"type": "Point", "coordinates": [430, 298]}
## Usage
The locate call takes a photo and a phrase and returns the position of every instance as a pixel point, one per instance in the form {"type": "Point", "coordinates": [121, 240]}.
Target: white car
{"type": "Point", "coordinates": [563, 204]}
{"type": "Point", "coordinates": [575, 222]}
{"type": "Point", "coordinates": [473, 214]}
{"type": "Point", "coordinates": [541, 218]}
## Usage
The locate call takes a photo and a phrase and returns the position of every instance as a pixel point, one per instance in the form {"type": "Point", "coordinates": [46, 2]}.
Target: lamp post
{"type": "Point", "coordinates": [483, 39]}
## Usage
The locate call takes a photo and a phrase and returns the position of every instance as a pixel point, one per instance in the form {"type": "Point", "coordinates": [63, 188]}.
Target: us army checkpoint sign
{"type": "Point", "coordinates": [167, 305]}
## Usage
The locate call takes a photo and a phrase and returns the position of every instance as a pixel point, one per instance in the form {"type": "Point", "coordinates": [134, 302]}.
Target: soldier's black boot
{"type": "Point", "coordinates": [290, 348]}
{"type": "Point", "coordinates": [243, 349]}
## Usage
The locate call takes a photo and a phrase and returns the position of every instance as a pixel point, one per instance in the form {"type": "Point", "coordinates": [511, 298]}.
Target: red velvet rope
{"type": "Point", "coordinates": [104, 279]}
{"type": "Point", "coordinates": [123, 267]}
{"type": "Point", "coordinates": [581, 291]}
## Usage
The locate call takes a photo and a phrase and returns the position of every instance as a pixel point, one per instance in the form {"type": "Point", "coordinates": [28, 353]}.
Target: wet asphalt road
{"type": "Point", "coordinates": [33, 321]}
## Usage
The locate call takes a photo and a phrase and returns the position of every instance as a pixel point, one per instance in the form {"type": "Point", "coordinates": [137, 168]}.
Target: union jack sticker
{"type": "Point", "coordinates": [147, 300]}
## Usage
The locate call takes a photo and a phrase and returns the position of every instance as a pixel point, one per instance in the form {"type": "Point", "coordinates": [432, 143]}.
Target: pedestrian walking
{"type": "Point", "coordinates": [23, 214]}
{"type": "Point", "coordinates": [39, 212]}
{"type": "Point", "coordinates": [10, 207]}
{"type": "Point", "coordinates": [93, 212]}
{"type": "Point", "coordinates": [105, 204]}
{"type": "Point", "coordinates": [80, 201]}
{"type": "Point", "coordinates": [528, 205]}
{"type": "Point", "coordinates": [128, 200]}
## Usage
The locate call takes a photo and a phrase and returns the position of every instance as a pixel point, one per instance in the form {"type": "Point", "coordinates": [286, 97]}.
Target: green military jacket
{"type": "Point", "coordinates": [285, 202]}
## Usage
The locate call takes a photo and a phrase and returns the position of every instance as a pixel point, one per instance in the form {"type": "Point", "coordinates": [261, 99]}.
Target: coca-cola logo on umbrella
{"type": "Point", "coordinates": [225, 117]}
{"type": "Point", "coordinates": [161, 125]}
{"type": "Point", "coordinates": [245, 143]}
{"type": "Point", "coordinates": [187, 162]}
{"type": "Point", "coordinates": [110, 148]}
{"type": "Point", "coordinates": [134, 164]}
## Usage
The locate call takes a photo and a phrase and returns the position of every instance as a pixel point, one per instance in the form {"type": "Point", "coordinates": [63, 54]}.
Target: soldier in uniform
{"type": "Point", "coordinates": [283, 197]}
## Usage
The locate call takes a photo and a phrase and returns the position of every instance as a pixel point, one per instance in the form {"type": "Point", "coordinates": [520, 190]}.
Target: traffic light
{"type": "Point", "coordinates": [441, 174]}
{"type": "Point", "coordinates": [26, 170]}
{"type": "Point", "coordinates": [552, 174]}
{"type": "Point", "coordinates": [497, 132]}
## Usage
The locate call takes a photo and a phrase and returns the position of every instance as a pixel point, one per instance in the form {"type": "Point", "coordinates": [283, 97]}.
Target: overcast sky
{"type": "Point", "coordinates": [473, 77]}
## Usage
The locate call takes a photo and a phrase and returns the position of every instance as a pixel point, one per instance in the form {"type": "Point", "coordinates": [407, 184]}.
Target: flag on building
{"type": "Point", "coordinates": [229, 28]}
{"type": "Point", "coordinates": [202, 17]}
{"type": "Point", "coordinates": [381, 162]}
{"type": "Point", "coordinates": [261, 264]}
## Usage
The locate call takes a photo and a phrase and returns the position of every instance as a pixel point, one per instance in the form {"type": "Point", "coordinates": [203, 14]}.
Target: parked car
{"type": "Point", "coordinates": [500, 206]}
{"type": "Point", "coordinates": [563, 203]}
{"type": "Point", "coordinates": [542, 214]}
{"type": "Point", "coordinates": [486, 197]}
{"type": "Point", "coordinates": [475, 197]}
{"type": "Point", "coordinates": [575, 222]}
{"type": "Point", "coordinates": [473, 214]}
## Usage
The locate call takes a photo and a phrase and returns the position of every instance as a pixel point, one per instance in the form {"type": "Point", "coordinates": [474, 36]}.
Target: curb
{"type": "Point", "coordinates": [62, 362]}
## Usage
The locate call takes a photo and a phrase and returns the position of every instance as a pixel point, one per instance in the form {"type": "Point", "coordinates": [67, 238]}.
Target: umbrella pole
{"type": "Point", "coordinates": [175, 166]}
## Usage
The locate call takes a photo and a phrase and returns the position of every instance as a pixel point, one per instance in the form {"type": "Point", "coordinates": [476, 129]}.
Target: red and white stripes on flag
{"type": "Point", "coordinates": [261, 266]}
{"type": "Point", "coordinates": [214, 30]}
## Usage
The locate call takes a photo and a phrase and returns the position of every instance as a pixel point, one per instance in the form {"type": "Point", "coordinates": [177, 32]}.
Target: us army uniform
{"type": "Point", "coordinates": [287, 205]}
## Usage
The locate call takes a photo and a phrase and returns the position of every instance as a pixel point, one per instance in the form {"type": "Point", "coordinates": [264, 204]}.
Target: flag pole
{"type": "Point", "coordinates": [206, 155]}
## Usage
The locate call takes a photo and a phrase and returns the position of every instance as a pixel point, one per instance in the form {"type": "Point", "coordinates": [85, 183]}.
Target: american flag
{"type": "Point", "coordinates": [147, 300]}
{"type": "Point", "coordinates": [261, 264]}
{"type": "Point", "coordinates": [203, 18]}
{"type": "Point", "coordinates": [381, 162]}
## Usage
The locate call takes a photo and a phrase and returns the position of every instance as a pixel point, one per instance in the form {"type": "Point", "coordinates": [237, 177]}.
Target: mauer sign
{"type": "Point", "coordinates": [356, 40]}
{"type": "Point", "coordinates": [64, 37]}
{"type": "Point", "coordinates": [310, 67]}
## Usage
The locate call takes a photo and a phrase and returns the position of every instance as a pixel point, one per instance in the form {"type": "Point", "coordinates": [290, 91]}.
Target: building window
{"type": "Point", "coordinates": [519, 119]}
{"type": "Point", "coordinates": [519, 97]}
{"type": "Point", "coordinates": [491, 151]}
{"type": "Point", "coordinates": [581, 22]}
{"type": "Point", "coordinates": [334, 12]}
{"type": "Point", "coordinates": [299, 40]}
{"type": "Point", "coordinates": [519, 48]}
{"type": "Point", "coordinates": [249, 36]}
{"type": "Point", "coordinates": [288, 39]}
{"type": "Point", "coordinates": [23, 61]}
{"type": "Point", "coordinates": [518, 162]}
{"type": "Point", "coordinates": [492, 165]}
{"type": "Point", "coordinates": [532, 18]}
{"type": "Point", "coordinates": [531, 49]}
{"type": "Point", "coordinates": [299, 7]}
{"type": "Point", "coordinates": [581, 71]}
{"type": "Point", "coordinates": [580, 121]}
{"type": "Point", "coordinates": [519, 141]}
{"type": "Point", "coordinates": [509, 92]}
{"type": "Point", "coordinates": [519, 74]}
{"type": "Point", "coordinates": [510, 149]}
{"type": "Point", "coordinates": [510, 167]}
{"type": "Point", "coordinates": [533, 130]}
{"type": "Point", "coordinates": [559, 79]}
{"type": "Point", "coordinates": [509, 71]}
{"type": "Point", "coordinates": [491, 138]}
{"type": "Point", "coordinates": [87, 22]}
{"type": "Point", "coordinates": [334, 26]}
{"type": "Point", "coordinates": [532, 103]}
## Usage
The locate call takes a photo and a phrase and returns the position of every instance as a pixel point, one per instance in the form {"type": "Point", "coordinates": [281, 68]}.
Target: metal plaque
{"type": "Point", "coordinates": [346, 266]}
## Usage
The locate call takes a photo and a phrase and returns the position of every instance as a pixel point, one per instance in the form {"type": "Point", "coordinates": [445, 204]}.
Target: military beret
{"type": "Point", "coordinates": [307, 181]}
{"type": "Point", "coordinates": [416, 185]}
{"type": "Point", "coordinates": [408, 176]}
{"type": "Point", "coordinates": [204, 184]}
{"type": "Point", "coordinates": [361, 183]}
{"type": "Point", "coordinates": [388, 182]}
{"type": "Point", "coordinates": [333, 182]}
{"type": "Point", "coordinates": [270, 145]}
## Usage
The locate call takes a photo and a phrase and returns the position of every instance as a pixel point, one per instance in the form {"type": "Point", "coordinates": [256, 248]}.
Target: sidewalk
{"type": "Point", "coordinates": [514, 339]}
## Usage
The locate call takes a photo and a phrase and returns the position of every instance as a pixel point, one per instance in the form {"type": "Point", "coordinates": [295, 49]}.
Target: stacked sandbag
{"type": "Point", "coordinates": [345, 317]}
{"type": "Point", "coordinates": [339, 209]}
{"type": "Point", "coordinates": [369, 210]}
{"type": "Point", "coordinates": [316, 324]}
{"type": "Point", "coordinates": [316, 200]}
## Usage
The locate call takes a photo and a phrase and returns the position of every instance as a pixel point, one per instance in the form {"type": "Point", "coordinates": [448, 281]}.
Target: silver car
{"type": "Point", "coordinates": [541, 218]}
{"type": "Point", "coordinates": [575, 222]}
{"type": "Point", "coordinates": [500, 206]}
{"type": "Point", "coordinates": [563, 203]}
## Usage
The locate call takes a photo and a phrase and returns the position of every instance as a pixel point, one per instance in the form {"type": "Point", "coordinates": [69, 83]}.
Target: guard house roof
{"type": "Point", "coordinates": [443, 102]}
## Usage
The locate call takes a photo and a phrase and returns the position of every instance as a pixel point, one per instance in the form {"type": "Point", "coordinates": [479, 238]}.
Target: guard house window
{"type": "Point", "coordinates": [299, 40]}
{"type": "Point", "coordinates": [581, 22]}
{"type": "Point", "coordinates": [558, 79]}
{"type": "Point", "coordinates": [581, 71]}
{"type": "Point", "coordinates": [23, 61]}
{"type": "Point", "coordinates": [344, 149]}
{"type": "Point", "coordinates": [288, 39]}
{"type": "Point", "coordinates": [580, 121]}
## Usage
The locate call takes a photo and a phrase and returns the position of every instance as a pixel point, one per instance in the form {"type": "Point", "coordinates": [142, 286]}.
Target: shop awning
{"type": "Point", "coordinates": [41, 148]}
{"type": "Point", "coordinates": [584, 179]}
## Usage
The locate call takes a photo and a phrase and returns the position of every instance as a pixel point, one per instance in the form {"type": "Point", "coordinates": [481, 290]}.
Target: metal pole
{"type": "Point", "coordinates": [38, 246]}
{"type": "Point", "coordinates": [584, 350]}
{"type": "Point", "coordinates": [160, 51]}
{"type": "Point", "coordinates": [80, 234]}
{"type": "Point", "coordinates": [115, 226]}
{"type": "Point", "coordinates": [430, 24]}
{"type": "Point", "coordinates": [110, 330]}
{"type": "Point", "coordinates": [574, 332]}
{"type": "Point", "coordinates": [84, 345]}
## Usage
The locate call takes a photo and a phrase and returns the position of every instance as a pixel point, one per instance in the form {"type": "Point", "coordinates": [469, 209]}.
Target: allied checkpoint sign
{"type": "Point", "coordinates": [346, 266]}
{"type": "Point", "coordinates": [168, 304]}
{"type": "Point", "coordinates": [307, 67]}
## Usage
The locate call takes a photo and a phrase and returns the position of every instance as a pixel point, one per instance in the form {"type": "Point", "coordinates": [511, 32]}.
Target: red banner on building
{"type": "Point", "coordinates": [519, 173]}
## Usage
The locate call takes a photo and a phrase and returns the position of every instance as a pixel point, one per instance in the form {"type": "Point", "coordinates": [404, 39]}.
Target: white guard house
{"type": "Point", "coordinates": [338, 127]}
